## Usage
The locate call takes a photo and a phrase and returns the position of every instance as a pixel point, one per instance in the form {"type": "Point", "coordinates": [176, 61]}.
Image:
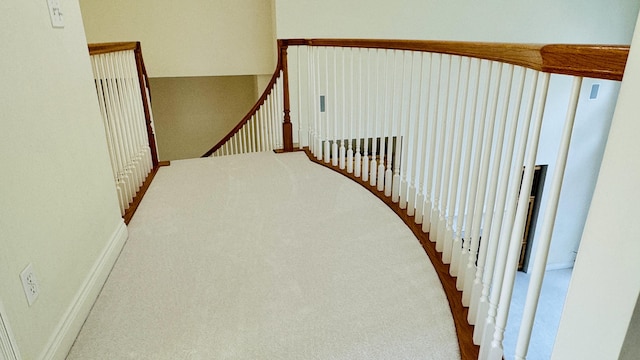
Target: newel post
{"type": "Point", "coordinates": [287, 127]}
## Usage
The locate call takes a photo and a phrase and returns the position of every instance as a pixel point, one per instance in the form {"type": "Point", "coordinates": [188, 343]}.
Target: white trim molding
{"type": "Point", "coordinates": [63, 337]}
{"type": "Point", "coordinates": [8, 348]}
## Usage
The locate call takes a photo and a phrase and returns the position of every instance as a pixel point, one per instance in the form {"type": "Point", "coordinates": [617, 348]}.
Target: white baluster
{"type": "Point", "coordinates": [123, 173]}
{"type": "Point", "coordinates": [479, 296]}
{"type": "Point", "coordinates": [277, 118]}
{"type": "Point", "coordinates": [481, 193]}
{"type": "Point", "coordinates": [352, 107]}
{"type": "Point", "coordinates": [114, 157]}
{"type": "Point", "coordinates": [459, 126]}
{"type": "Point", "coordinates": [464, 180]}
{"type": "Point", "coordinates": [268, 115]}
{"type": "Point", "coordinates": [431, 142]}
{"type": "Point", "coordinates": [383, 122]}
{"type": "Point", "coordinates": [316, 100]}
{"type": "Point", "coordinates": [358, 156]}
{"type": "Point", "coordinates": [261, 124]}
{"type": "Point", "coordinates": [300, 84]}
{"type": "Point", "coordinates": [473, 285]}
{"type": "Point", "coordinates": [474, 181]}
{"type": "Point", "coordinates": [445, 159]}
{"type": "Point", "coordinates": [388, 175]}
{"type": "Point", "coordinates": [395, 180]}
{"type": "Point", "coordinates": [544, 241]}
{"type": "Point", "coordinates": [342, 150]}
{"type": "Point", "coordinates": [334, 146]}
{"type": "Point", "coordinates": [366, 119]}
{"type": "Point", "coordinates": [373, 168]}
{"type": "Point", "coordinates": [128, 122]}
{"type": "Point", "coordinates": [405, 133]}
{"type": "Point", "coordinates": [327, 145]}
{"type": "Point", "coordinates": [421, 144]}
{"type": "Point", "coordinates": [491, 347]}
{"type": "Point", "coordinates": [414, 118]}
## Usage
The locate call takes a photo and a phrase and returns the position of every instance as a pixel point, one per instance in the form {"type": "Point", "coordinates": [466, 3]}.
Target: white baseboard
{"type": "Point", "coordinates": [559, 266]}
{"type": "Point", "coordinates": [72, 321]}
{"type": "Point", "coordinates": [8, 348]}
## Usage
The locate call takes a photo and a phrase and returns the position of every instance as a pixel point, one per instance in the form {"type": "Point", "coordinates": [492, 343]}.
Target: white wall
{"type": "Point", "coordinates": [189, 37]}
{"type": "Point", "coordinates": [593, 119]}
{"type": "Point", "coordinates": [544, 21]}
{"type": "Point", "coordinates": [605, 285]}
{"type": "Point", "coordinates": [59, 207]}
{"type": "Point", "coordinates": [573, 21]}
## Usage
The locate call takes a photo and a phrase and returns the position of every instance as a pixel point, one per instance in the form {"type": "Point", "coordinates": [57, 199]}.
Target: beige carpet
{"type": "Point", "coordinates": [267, 256]}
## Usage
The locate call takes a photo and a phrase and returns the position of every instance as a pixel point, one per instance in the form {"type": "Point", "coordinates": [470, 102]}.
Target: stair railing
{"type": "Point", "coordinates": [267, 125]}
{"type": "Point", "coordinates": [122, 88]}
{"type": "Point", "coordinates": [445, 129]}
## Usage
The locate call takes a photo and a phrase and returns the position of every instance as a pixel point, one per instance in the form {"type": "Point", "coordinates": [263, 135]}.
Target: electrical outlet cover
{"type": "Point", "coordinates": [55, 12]}
{"type": "Point", "coordinates": [30, 284]}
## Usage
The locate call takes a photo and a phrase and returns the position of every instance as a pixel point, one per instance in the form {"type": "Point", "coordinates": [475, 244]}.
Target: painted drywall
{"type": "Point", "coordinates": [544, 21]}
{"type": "Point", "coordinates": [605, 285]}
{"type": "Point", "coordinates": [592, 123]}
{"type": "Point", "coordinates": [190, 37]}
{"type": "Point", "coordinates": [192, 114]}
{"type": "Point", "coordinates": [59, 205]}
{"type": "Point", "coordinates": [572, 21]}
{"type": "Point", "coordinates": [631, 345]}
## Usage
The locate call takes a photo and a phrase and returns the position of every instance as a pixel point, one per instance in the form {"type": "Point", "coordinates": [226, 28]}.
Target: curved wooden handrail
{"type": "Point", "coordinates": [254, 109]}
{"type": "Point", "coordinates": [595, 61]}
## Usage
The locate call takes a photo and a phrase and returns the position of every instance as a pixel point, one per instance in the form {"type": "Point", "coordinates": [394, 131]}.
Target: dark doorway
{"type": "Point", "coordinates": [539, 175]}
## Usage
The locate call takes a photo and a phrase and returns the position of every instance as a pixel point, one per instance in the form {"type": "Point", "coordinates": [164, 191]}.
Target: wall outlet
{"type": "Point", "coordinates": [55, 12]}
{"type": "Point", "coordinates": [30, 284]}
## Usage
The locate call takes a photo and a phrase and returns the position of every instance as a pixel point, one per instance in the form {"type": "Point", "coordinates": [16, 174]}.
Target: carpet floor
{"type": "Point", "coordinates": [266, 256]}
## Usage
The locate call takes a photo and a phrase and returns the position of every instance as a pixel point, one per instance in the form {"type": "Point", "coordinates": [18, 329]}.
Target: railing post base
{"type": "Point", "coordinates": [287, 136]}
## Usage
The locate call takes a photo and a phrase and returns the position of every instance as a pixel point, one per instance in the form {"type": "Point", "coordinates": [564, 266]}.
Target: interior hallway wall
{"type": "Point", "coordinates": [190, 113]}
{"type": "Point", "coordinates": [189, 37]}
{"type": "Point", "coordinates": [58, 204]}
{"type": "Point", "coordinates": [605, 285]}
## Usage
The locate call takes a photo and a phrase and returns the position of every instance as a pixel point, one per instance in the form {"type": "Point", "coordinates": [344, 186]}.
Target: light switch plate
{"type": "Point", "coordinates": [55, 12]}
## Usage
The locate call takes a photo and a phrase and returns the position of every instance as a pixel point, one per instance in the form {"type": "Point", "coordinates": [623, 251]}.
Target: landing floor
{"type": "Point", "coordinates": [266, 256]}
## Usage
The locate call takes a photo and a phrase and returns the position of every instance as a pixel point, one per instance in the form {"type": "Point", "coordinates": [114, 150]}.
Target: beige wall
{"type": "Point", "coordinates": [490, 20]}
{"type": "Point", "coordinates": [192, 114]}
{"type": "Point", "coordinates": [59, 208]}
{"type": "Point", "coordinates": [189, 37]}
{"type": "Point", "coordinates": [606, 282]}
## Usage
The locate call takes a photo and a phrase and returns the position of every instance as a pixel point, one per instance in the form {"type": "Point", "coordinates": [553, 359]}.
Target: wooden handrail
{"type": "Point", "coordinates": [145, 92]}
{"type": "Point", "coordinates": [595, 61]}
{"type": "Point", "coordinates": [103, 48]}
